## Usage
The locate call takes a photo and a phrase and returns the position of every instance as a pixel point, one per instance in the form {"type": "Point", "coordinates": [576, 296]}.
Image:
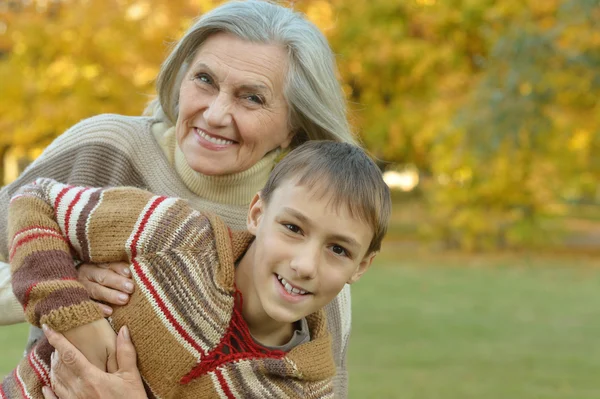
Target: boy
{"type": "Point", "coordinates": [215, 313]}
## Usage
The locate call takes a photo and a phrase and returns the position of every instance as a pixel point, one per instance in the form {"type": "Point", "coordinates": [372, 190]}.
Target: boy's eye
{"type": "Point", "coordinates": [339, 250]}
{"type": "Point", "coordinates": [292, 227]}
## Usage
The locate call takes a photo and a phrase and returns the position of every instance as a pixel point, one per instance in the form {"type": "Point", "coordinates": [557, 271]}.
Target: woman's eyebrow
{"type": "Point", "coordinates": [254, 87]}
{"type": "Point", "coordinates": [203, 66]}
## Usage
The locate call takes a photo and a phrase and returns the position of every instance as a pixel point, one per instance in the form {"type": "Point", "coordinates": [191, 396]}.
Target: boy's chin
{"type": "Point", "coordinates": [286, 315]}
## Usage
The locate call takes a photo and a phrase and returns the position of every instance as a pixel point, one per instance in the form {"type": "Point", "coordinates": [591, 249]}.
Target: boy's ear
{"type": "Point", "coordinates": [255, 213]}
{"type": "Point", "coordinates": [362, 267]}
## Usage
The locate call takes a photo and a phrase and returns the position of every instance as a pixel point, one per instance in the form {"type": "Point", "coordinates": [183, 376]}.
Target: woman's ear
{"type": "Point", "coordinates": [288, 140]}
{"type": "Point", "coordinates": [255, 213]}
{"type": "Point", "coordinates": [362, 267]}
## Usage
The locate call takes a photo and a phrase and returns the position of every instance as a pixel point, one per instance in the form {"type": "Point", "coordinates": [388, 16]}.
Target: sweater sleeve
{"type": "Point", "coordinates": [95, 152]}
{"type": "Point", "coordinates": [48, 224]}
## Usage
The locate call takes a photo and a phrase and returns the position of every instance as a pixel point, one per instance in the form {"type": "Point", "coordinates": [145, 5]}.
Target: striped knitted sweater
{"type": "Point", "coordinates": [116, 150]}
{"type": "Point", "coordinates": [185, 315]}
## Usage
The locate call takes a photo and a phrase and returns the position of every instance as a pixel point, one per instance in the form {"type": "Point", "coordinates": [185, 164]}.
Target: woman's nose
{"type": "Point", "coordinates": [218, 114]}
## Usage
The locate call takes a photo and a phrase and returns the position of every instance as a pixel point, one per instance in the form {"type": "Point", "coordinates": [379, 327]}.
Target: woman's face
{"type": "Point", "coordinates": [232, 110]}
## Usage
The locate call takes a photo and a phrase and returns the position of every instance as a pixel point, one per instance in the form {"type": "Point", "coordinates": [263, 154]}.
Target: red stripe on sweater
{"type": "Point", "coordinates": [32, 286]}
{"type": "Point", "coordinates": [70, 210]}
{"type": "Point", "coordinates": [33, 237]}
{"type": "Point", "coordinates": [224, 385]}
{"type": "Point", "coordinates": [59, 197]}
{"type": "Point", "coordinates": [136, 266]}
{"type": "Point", "coordinates": [37, 368]}
{"type": "Point", "coordinates": [28, 228]}
{"type": "Point", "coordinates": [18, 381]}
{"type": "Point", "coordinates": [165, 310]}
{"type": "Point", "coordinates": [2, 393]}
{"type": "Point", "coordinates": [142, 226]}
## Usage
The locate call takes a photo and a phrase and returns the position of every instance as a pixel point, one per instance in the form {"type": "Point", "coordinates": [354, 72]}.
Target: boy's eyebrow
{"type": "Point", "coordinates": [336, 237]}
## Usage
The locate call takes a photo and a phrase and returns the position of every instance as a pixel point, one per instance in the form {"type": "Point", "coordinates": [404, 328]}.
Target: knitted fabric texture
{"type": "Point", "coordinates": [116, 150]}
{"type": "Point", "coordinates": [185, 314]}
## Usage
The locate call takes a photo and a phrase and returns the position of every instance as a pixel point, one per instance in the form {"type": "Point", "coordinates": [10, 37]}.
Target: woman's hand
{"type": "Point", "coordinates": [73, 377]}
{"type": "Point", "coordinates": [107, 282]}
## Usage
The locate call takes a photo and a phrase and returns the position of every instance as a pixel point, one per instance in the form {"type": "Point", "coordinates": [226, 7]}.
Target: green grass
{"type": "Point", "coordinates": [457, 327]}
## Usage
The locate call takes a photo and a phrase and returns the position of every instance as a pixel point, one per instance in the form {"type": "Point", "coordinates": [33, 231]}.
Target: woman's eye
{"type": "Point", "coordinates": [292, 227]}
{"type": "Point", "coordinates": [339, 250]}
{"type": "Point", "coordinates": [255, 99]}
{"type": "Point", "coordinates": [204, 78]}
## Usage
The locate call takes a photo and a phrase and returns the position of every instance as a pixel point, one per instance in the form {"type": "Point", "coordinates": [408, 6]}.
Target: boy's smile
{"type": "Point", "coordinates": [305, 250]}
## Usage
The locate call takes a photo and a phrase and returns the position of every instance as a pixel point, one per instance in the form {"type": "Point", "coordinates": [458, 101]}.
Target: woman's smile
{"type": "Point", "coordinates": [211, 141]}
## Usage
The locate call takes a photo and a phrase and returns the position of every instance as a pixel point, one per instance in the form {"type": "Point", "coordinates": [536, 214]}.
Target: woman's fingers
{"type": "Point", "coordinates": [126, 355]}
{"type": "Point", "coordinates": [70, 371]}
{"type": "Point", "coordinates": [104, 283]}
{"type": "Point", "coordinates": [121, 268]}
{"type": "Point", "coordinates": [106, 310]}
{"type": "Point", "coordinates": [65, 354]}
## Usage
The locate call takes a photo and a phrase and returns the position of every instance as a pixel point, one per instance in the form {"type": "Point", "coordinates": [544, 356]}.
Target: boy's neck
{"type": "Point", "coordinates": [263, 328]}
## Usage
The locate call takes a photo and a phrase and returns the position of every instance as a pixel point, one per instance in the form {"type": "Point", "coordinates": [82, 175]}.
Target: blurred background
{"type": "Point", "coordinates": [484, 116]}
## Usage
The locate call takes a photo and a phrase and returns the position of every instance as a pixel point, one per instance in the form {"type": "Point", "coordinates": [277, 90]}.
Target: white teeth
{"type": "Point", "coordinates": [288, 287]}
{"type": "Point", "coordinates": [213, 140]}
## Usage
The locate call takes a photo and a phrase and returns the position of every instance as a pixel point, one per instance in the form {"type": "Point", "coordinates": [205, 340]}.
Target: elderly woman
{"type": "Point", "coordinates": [247, 80]}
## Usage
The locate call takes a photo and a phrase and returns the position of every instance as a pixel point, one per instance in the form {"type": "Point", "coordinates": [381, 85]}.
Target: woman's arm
{"type": "Point", "coordinates": [73, 377]}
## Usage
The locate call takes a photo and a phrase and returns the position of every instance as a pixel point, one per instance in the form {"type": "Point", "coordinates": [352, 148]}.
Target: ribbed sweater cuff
{"type": "Point", "coordinates": [66, 318]}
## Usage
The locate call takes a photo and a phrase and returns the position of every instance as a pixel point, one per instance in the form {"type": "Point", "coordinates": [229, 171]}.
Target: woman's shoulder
{"type": "Point", "coordinates": [107, 130]}
{"type": "Point", "coordinates": [113, 124]}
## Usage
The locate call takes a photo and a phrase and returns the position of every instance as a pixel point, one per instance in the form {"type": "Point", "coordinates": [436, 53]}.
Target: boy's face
{"type": "Point", "coordinates": [305, 251]}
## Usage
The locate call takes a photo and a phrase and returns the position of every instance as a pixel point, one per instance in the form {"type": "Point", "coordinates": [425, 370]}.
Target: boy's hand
{"type": "Point", "coordinates": [97, 342]}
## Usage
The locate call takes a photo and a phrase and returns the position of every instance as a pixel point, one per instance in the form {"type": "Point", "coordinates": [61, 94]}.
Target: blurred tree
{"type": "Point", "coordinates": [524, 138]}
{"type": "Point", "coordinates": [73, 59]}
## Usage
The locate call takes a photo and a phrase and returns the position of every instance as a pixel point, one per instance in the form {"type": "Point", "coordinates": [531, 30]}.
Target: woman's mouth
{"type": "Point", "coordinates": [212, 139]}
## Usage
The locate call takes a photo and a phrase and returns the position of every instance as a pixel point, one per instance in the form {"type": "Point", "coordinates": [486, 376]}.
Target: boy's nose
{"type": "Point", "coordinates": [306, 263]}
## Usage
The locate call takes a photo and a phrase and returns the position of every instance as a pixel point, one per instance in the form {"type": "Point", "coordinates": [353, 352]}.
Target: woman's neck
{"type": "Point", "coordinates": [233, 189]}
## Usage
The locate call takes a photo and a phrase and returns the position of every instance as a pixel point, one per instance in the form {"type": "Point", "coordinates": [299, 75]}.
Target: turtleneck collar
{"type": "Point", "coordinates": [233, 189]}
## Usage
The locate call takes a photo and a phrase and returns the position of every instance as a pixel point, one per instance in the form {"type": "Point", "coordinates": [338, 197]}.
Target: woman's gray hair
{"type": "Point", "coordinates": [314, 95]}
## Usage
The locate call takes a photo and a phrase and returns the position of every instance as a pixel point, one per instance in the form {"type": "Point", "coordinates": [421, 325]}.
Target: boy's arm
{"type": "Point", "coordinates": [47, 222]}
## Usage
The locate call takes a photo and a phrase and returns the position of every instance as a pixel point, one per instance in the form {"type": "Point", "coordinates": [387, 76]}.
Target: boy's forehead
{"type": "Point", "coordinates": [323, 199]}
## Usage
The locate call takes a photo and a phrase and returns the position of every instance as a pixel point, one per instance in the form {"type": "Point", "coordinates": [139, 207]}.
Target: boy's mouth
{"type": "Point", "coordinates": [291, 289]}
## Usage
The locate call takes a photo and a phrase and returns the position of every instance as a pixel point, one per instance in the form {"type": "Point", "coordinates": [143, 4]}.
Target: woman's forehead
{"type": "Point", "coordinates": [241, 62]}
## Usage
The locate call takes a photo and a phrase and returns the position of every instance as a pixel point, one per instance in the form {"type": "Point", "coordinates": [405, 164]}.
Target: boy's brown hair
{"type": "Point", "coordinates": [347, 173]}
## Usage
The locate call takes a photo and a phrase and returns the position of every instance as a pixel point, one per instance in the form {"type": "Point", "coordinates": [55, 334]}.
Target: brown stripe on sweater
{"type": "Point", "coordinates": [200, 388]}
{"type": "Point", "coordinates": [63, 309]}
{"type": "Point", "coordinates": [240, 371]}
{"type": "Point", "coordinates": [32, 242]}
{"type": "Point", "coordinates": [174, 227]}
{"type": "Point", "coordinates": [41, 266]}
{"type": "Point", "coordinates": [80, 227]}
{"type": "Point", "coordinates": [190, 297]}
{"type": "Point", "coordinates": [10, 387]}
{"type": "Point", "coordinates": [109, 244]}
